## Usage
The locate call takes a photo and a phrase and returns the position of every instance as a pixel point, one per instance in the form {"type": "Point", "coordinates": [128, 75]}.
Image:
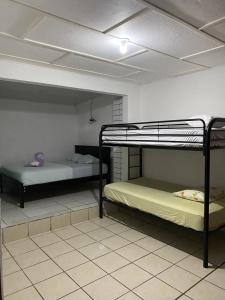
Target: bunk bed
{"type": "Point", "coordinates": [194, 134]}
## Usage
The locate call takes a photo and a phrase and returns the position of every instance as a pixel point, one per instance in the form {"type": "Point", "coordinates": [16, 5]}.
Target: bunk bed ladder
{"type": "Point", "coordinates": [134, 162]}
{"type": "Point", "coordinates": [117, 118]}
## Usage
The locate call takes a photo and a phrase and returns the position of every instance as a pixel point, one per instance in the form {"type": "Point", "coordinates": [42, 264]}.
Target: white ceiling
{"type": "Point", "coordinates": [160, 63]}
{"type": "Point", "coordinates": [157, 31]}
{"type": "Point", "coordinates": [94, 65]}
{"type": "Point", "coordinates": [99, 15]}
{"type": "Point", "coordinates": [195, 12]}
{"type": "Point", "coordinates": [217, 30]}
{"type": "Point", "coordinates": [146, 77]}
{"type": "Point", "coordinates": [16, 47]}
{"type": "Point", "coordinates": [166, 37]}
{"type": "Point", "coordinates": [210, 59]}
{"type": "Point", "coordinates": [76, 38]}
{"type": "Point", "coordinates": [46, 94]}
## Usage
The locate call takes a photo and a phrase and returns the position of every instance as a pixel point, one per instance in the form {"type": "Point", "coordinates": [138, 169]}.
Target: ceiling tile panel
{"type": "Point", "coordinates": [76, 38]}
{"type": "Point", "coordinates": [10, 46]}
{"type": "Point", "coordinates": [162, 33]}
{"type": "Point", "coordinates": [97, 14]}
{"type": "Point", "coordinates": [211, 58]}
{"type": "Point", "coordinates": [195, 12]}
{"type": "Point", "coordinates": [16, 18]}
{"type": "Point", "coordinates": [217, 30]}
{"type": "Point", "coordinates": [89, 64]}
{"type": "Point", "coordinates": [145, 77]}
{"type": "Point", "coordinates": [160, 63]}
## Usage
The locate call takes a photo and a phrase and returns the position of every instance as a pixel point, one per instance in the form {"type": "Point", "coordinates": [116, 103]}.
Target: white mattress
{"type": "Point", "coordinates": [85, 170]}
{"type": "Point", "coordinates": [50, 172]}
{"type": "Point", "coordinates": [164, 136]}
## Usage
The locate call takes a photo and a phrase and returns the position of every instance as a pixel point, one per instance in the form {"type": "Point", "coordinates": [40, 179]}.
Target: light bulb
{"type": "Point", "coordinates": [123, 46]}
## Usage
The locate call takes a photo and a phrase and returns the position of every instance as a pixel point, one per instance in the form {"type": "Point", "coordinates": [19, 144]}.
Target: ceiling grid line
{"type": "Point", "coordinates": [60, 57]}
{"type": "Point", "coordinates": [32, 26]}
{"type": "Point", "coordinates": [125, 20]}
{"type": "Point", "coordinates": [202, 52]}
{"type": "Point", "coordinates": [212, 23]}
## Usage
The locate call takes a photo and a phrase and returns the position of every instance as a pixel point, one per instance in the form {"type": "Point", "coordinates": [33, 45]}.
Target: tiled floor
{"type": "Point", "coordinates": [107, 260]}
{"type": "Point", "coordinates": [46, 207]}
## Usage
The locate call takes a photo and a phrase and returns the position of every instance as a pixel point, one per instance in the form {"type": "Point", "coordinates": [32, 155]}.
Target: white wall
{"type": "Point", "coordinates": [198, 93]}
{"type": "Point", "coordinates": [27, 127]}
{"type": "Point", "coordinates": [14, 69]}
{"type": "Point", "coordinates": [102, 112]}
{"type": "Point", "coordinates": [184, 96]}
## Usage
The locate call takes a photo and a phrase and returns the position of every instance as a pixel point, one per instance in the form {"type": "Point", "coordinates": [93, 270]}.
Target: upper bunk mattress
{"type": "Point", "coordinates": [156, 197]}
{"type": "Point", "coordinates": [187, 136]}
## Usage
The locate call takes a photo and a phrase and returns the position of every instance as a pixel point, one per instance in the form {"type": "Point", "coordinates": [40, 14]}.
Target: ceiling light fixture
{"type": "Point", "coordinates": [123, 46]}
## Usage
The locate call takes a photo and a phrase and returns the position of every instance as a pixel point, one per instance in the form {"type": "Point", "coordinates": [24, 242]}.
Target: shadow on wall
{"type": "Point", "coordinates": [102, 112]}
{"type": "Point", "coordinates": [183, 167]}
{"type": "Point", "coordinates": [35, 107]}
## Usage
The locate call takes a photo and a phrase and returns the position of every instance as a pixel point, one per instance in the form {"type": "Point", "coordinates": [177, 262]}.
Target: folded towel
{"type": "Point", "coordinates": [39, 160]}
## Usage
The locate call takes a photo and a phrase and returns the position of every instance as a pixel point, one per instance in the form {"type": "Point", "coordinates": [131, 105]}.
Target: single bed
{"type": "Point", "coordinates": [155, 197]}
{"type": "Point", "coordinates": [28, 177]}
{"type": "Point", "coordinates": [50, 172]}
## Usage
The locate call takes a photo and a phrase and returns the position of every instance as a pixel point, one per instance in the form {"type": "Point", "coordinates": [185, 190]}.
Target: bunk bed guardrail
{"type": "Point", "coordinates": [144, 133]}
{"type": "Point", "coordinates": [195, 138]}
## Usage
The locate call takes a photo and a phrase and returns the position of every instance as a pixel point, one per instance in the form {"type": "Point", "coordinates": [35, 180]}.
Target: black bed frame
{"type": "Point", "coordinates": [173, 124]}
{"type": "Point", "coordinates": [92, 150]}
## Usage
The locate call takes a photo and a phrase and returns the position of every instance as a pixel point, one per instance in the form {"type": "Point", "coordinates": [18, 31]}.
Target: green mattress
{"type": "Point", "coordinates": [156, 197]}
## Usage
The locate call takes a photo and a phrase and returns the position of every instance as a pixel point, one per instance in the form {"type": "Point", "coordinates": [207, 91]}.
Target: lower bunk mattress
{"type": "Point", "coordinates": [155, 197]}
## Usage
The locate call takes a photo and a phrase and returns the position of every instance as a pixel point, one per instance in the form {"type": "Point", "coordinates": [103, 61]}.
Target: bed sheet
{"type": "Point", "coordinates": [156, 197]}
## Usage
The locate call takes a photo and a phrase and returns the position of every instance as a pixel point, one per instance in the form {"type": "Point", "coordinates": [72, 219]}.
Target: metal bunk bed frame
{"type": "Point", "coordinates": [205, 148]}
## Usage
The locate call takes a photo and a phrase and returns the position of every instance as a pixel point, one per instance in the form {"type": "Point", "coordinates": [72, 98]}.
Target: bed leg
{"type": "Point", "coordinates": [206, 206]}
{"type": "Point", "coordinates": [22, 191]}
{"type": "Point", "coordinates": [206, 250]}
{"type": "Point", "coordinates": [1, 184]}
{"type": "Point", "coordinates": [100, 177]}
{"type": "Point", "coordinates": [101, 209]}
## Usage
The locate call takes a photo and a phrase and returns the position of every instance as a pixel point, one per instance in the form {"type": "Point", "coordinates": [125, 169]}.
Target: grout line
{"type": "Point", "coordinates": [21, 270]}
{"type": "Point", "coordinates": [203, 278]}
{"type": "Point", "coordinates": [133, 262]}
{"type": "Point", "coordinates": [63, 272]}
{"type": "Point", "coordinates": [120, 282]}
